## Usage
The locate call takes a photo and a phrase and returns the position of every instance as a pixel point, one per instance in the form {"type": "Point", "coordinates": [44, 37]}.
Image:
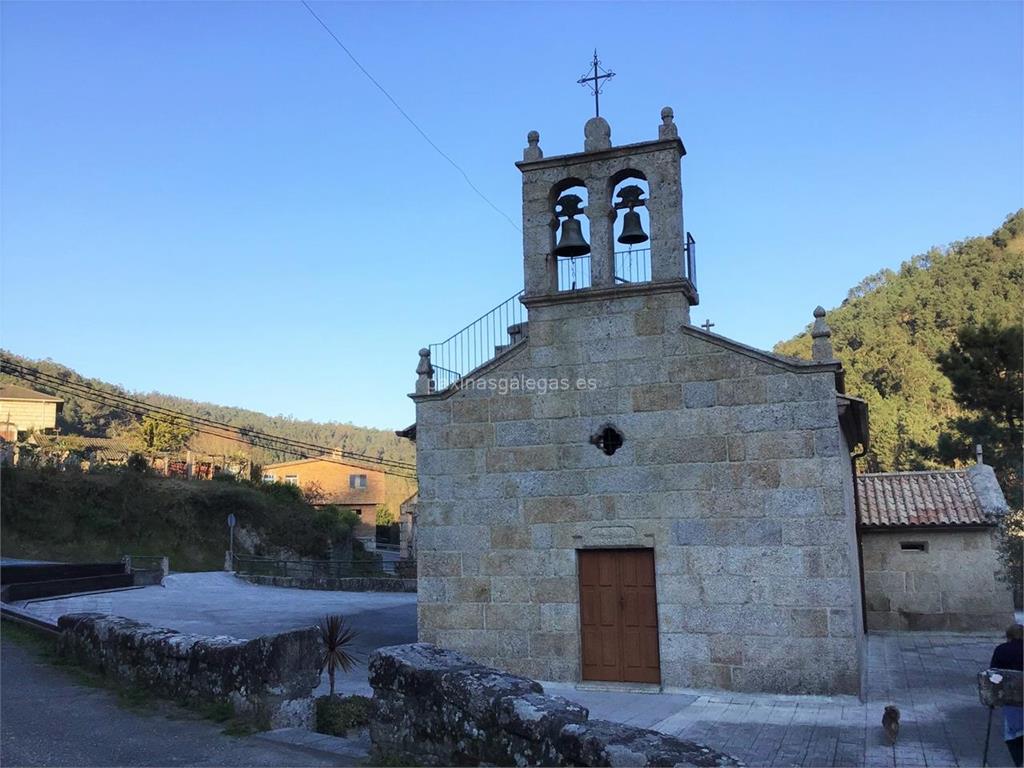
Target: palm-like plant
{"type": "Point", "coordinates": [337, 638]}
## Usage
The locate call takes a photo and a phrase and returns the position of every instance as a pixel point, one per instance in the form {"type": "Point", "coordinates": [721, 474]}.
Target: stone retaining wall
{"type": "Point", "coordinates": [436, 707]}
{"type": "Point", "coordinates": [269, 677]}
{"type": "Point", "coordinates": [348, 584]}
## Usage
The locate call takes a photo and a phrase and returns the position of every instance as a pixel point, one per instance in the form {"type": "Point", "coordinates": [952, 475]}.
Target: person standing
{"type": "Point", "coordinates": [1010, 655]}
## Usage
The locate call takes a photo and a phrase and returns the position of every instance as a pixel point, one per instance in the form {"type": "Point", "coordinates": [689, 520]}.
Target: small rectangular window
{"type": "Point", "coordinates": [914, 546]}
{"type": "Point", "coordinates": [357, 481]}
{"type": "Point", "coordinates": [268, 478]}
{"type": "Point", "coordinates": [291, 479]}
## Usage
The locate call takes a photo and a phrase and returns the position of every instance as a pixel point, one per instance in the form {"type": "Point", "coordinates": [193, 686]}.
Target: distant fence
{"type": "Point", "coordinates": [248, 565]}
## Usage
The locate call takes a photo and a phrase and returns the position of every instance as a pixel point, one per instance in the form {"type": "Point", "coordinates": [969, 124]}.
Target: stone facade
{"type": "Point", "coordinates": [945, 579]}
{"type": "Point", "coordinates": [436, 707]}
{"type": "Point", "coordinates": [734, 470]}
{"type": "Point", "coordinates": [269, 677]}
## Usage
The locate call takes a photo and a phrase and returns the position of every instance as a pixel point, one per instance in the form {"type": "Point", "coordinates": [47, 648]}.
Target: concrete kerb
{"type": "Point", "coordinates": [319, 744]}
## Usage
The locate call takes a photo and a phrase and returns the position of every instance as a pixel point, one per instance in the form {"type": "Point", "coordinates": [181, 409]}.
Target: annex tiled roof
{"type": "Point", "coordinates": [901, 499]}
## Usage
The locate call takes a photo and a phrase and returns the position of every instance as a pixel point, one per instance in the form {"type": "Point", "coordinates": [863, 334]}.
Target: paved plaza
{"type": "Point", "coordinates": [929, 676]}
{"type": "Point", "coordinates": [220, 604]}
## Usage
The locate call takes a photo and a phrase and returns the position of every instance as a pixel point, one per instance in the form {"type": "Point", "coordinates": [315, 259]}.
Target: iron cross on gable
{"type": "Point", "coordinates": [593, 81]}
{"type": "Point", "coordinates": [708, 325]}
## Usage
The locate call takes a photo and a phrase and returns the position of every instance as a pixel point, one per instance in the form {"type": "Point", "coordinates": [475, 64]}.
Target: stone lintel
{"type": "Point", "coordinates": [599, 293]}
{"type": "Point", "coordinates": [622, 150]}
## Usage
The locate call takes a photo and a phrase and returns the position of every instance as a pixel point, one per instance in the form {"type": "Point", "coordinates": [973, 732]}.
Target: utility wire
{"type": "Point", "coordinates": [412, 122]}
{"type": "Point", "coordinates": [200, 424]}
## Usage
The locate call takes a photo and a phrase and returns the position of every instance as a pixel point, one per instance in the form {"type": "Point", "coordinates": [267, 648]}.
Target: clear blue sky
{"type": "Point", "coordinates": [209, 200]}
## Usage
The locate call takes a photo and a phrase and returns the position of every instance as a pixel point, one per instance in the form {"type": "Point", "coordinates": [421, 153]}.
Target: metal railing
{"type": "Point", "coordinates": [144, 562]}
{"type": "Point", "coordinates": [691, 260]}
{"type": "Point", "coordinates": [486, 337]}
{"type": "Point", "coordinates": [633, 266]}
{"type": "Point", "coordinates": [574, 273]}
{"type": "Point", "coordinates": [478, 343]}
{"type": "Point", "coordinates": [249, 565]}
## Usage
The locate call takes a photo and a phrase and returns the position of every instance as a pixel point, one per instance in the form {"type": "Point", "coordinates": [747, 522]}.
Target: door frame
{"type": "Point", "coordinates": [580, 551]}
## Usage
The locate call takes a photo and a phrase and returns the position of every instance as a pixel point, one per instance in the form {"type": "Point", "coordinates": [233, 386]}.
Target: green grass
{"type": "Point", "coordinates": [43, 643]}
{"type": "Point", "coordinates": [336, 715]}
{"type": "Point", "coordinates": [72, 516]}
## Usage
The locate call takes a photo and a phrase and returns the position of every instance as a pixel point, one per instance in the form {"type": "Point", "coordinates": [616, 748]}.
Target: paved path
{"type": "Point", "coordinates": [46, 719]}
{"type": "Point", "coordinates": [929, 676]}
{"type": "Point", "coordinates": [217, 603]}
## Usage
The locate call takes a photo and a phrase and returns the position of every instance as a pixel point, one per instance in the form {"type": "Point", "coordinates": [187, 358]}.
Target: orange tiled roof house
{"type": "Point", "coordinates": [363, 490]}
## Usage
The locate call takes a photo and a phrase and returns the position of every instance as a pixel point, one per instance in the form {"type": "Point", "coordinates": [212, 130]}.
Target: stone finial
{"type": "Point", "coordinates": [667, 129]}
{"type": "Point", "coordinates": [821, 338]}
{"type": "Point", "coordinates": [979, 453]}
{"type": "Point", "coordinates": [424, 374]}
{"type": "Point", "coordinates": [533, 150]}
{"type": "Point", "coordinates": [597, 134]}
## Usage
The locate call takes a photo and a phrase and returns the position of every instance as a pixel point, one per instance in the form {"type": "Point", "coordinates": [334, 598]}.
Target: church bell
{"type": "Point", "coordinates": [632, 229]}
{"type": "Point", "coordinates": [570, 238]}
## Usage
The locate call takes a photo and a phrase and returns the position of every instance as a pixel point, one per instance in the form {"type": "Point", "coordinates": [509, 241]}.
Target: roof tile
{"type": "Point", "coordinates": [896, 499]}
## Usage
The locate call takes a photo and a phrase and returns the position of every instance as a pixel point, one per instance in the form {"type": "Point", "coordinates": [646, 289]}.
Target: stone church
{"type": "Point", "coordinates": [610, 493]}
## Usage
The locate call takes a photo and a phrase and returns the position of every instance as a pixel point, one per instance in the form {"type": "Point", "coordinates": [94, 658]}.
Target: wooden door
{"type": "Point", "coordinates": [619, 615]}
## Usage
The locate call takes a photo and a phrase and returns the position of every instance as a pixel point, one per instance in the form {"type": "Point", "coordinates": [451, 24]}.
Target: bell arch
{"type": "Point", "coordinates": [569, 205]}
{"type": "Point", "coordinates": [631, 229]}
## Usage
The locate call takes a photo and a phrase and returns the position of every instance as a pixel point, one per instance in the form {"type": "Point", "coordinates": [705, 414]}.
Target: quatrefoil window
{"type": "Point", "coordinates": [608, 439]}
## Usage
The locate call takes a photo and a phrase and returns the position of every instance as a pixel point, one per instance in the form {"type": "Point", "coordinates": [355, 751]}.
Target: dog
{"type": "Point", "coordinates": [891, 723]}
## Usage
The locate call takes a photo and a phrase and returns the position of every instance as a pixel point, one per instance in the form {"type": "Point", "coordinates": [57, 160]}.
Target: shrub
{"type": "Point", "coordinates": [335, 715]}
{"type": "Point", "coordinates": [137, 463]}
{"type": "Point", "coordinates": [285, 492]}
{"type": "Point", "coordinates": [337, 637]}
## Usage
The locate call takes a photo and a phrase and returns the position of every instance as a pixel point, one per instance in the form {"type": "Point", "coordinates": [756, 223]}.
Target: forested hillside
{"type": "Point", "coordinates": [83, 417]}
{"type": "Point", "coordinates": [894, 329]}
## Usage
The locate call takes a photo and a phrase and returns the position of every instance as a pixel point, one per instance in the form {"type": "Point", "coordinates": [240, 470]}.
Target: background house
{"type": "Point", "coordinates": [25, 410]}
{"type": "Point", "coordinates": [362, 489]}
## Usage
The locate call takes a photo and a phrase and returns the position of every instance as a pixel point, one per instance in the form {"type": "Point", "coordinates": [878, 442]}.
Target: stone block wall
{"type": "Point", "coordinates": [734, 470]}
{"type": "Point", "coordinates": [436, 707]}
{"type": "Point", "coordinates": [269, 677]}
{"type": "Point", "coordinates": [953, 585]}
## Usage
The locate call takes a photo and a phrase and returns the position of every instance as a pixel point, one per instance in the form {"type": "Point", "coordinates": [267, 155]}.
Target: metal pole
{"type": "Point", "coordinates": [988, 734]}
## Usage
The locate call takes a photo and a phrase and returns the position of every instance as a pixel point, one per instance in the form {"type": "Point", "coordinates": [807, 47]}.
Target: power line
{"type": "Point", "coordinates": [411, 122]}
{"type": "Point", "coordinates": [202, 424]}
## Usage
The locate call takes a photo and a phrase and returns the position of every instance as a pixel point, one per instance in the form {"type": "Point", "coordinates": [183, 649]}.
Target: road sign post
{"type": "Point", "coordinates": [231, 538]}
